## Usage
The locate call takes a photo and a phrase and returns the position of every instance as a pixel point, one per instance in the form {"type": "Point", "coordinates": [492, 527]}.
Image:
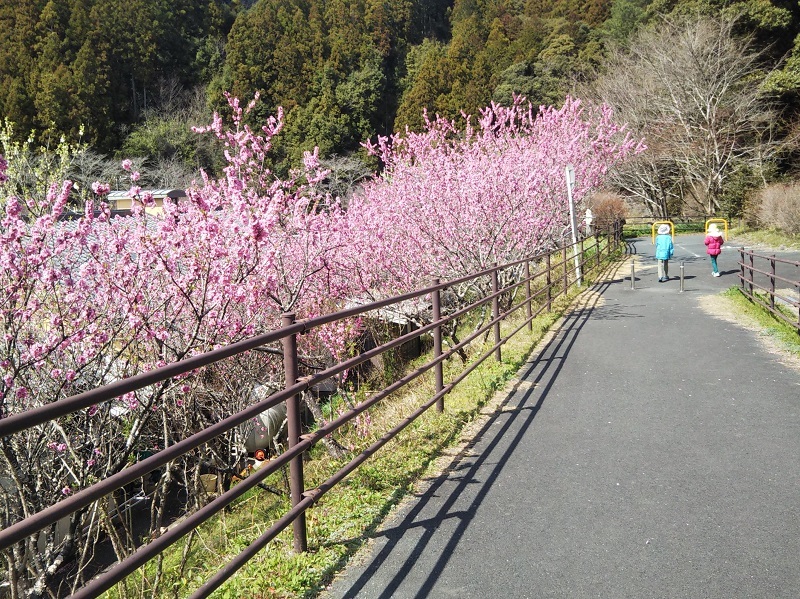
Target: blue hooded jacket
{"type": "Point", "coordinates": [664, 247]}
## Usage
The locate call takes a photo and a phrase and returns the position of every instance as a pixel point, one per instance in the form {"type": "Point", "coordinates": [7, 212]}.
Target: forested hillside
{"type": "Point", "coordinates": [134, 76]}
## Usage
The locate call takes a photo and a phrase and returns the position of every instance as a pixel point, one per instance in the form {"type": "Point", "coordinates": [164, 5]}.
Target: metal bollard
{"type": "Point", "coordinates": [681, 277]}
{"type": "Point", "coordinates": [633, 277]}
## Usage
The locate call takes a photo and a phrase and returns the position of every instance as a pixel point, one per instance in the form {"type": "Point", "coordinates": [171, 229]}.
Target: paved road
{"type": "Point", "coordinates": [690, 250]}
{"type": "Point", "coordinates": [649, 451]}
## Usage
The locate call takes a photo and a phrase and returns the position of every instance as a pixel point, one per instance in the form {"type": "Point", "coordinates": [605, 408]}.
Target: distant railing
{"type": "Point", "coordinates": [680, 223]}
{"type": "Point", "coordinates": [759, 273]}
{"type": "Point", "coordinates": [553, 274]}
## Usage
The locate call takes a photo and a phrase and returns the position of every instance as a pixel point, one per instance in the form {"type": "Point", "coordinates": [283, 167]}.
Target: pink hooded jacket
{"type": "Point", "coordinates": [714, 243]}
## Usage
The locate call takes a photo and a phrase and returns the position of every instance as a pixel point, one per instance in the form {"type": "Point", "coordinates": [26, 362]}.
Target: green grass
{"type": "Point", "coordinates": [785, 336]}
{"type": "Point", "coordinates": [343, 518]}
{"type": "Point", "coordinates": [766, 237]}
{"type": "Point", "coordinates": [645, 230]}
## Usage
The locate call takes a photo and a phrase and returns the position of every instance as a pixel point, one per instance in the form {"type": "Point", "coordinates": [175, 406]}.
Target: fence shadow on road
{"type": "Point", "coordinates": [536, 382]}
{"type": "Point", "coordinates": [612, 312]}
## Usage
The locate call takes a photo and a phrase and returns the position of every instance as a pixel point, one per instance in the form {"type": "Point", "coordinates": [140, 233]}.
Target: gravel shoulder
{"type": "Point", "coordinates": [722, 307]}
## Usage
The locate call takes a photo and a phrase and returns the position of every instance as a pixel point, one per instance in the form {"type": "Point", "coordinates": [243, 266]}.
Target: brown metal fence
{"type": "Point", "coordinates": [553, 274]}
{"type": "Point", "coordinates": [764, 285]}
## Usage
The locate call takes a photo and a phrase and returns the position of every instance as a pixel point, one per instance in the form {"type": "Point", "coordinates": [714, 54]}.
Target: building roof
{"type": "Point", "coordinates": [401, 313]}
{"type": "Point", "coordinates": [158, 194]}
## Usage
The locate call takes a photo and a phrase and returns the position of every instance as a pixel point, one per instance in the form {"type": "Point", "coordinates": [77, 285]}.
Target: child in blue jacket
{"type": "Point", "coordinates": [664, 251]}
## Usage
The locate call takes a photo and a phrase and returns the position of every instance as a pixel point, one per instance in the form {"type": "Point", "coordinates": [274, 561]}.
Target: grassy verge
{"type": "Point", "coordinates": [785, 336]}
{"type": "Point", "coordinates": [342, 520]}
{"type": "Point", "coordinates": [645, 230]}
{"type": "Point", "coordinates": [770, 238]}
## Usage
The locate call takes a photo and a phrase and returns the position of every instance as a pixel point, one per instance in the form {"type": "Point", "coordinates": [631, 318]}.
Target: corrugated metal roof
{"type": "Point", "coordinates": [401, 313]}
{"type": "Point", "coordinates": [156, 193]}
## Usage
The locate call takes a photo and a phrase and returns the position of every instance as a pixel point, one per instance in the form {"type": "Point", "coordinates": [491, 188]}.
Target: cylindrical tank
{"type": "Point", "coordinates": [266, 425]}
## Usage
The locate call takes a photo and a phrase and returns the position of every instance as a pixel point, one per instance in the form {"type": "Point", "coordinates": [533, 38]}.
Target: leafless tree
{"type": "Point", "coordinates": [695, 92]}
{"type": "Point", "coordinates": [345, 174]}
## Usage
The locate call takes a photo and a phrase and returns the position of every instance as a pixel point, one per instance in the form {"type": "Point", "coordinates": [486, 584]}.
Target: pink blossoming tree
{"type": "Point", "coordinates": [87, 301]}
{"type": "Point", "coordinates": [90, 300]}
{"type": "Point", "coordinates": [456, 200]}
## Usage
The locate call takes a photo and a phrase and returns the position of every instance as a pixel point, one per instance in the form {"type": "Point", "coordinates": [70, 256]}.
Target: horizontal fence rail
{"type": "Point", "coordinates": [773, 283]}
{"type": "Point", "coordinates": [537, 281]}
{"type": "Point", "coordinates": [649, 220]}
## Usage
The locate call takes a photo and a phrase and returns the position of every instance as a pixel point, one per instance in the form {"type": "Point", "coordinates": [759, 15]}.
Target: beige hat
{"type": "Point", "coordinates": [713, 230]}
{"type": "Point", "coordinates": [663, 229]}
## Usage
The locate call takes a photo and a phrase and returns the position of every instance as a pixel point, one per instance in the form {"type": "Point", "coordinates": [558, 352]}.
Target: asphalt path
{"type": "Point", "coordinates": [690, 250]}
{"type": "Point", "coordinates": [648, 450]}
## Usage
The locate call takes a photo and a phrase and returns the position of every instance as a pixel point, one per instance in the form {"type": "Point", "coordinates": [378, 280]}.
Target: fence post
{"type": "Point", "coordinates": [599, 250]}
{"type": "Point", "coordinates": [436, 308]}
{"type": "Point", "coordinates": [752, 273]}
{"type": "Point", "coordinates": [528, 309]}
{"type": "Point", "coordinates": [566, 269]}
{"type": "Point", "coordinates": [296, 483]}
{"type": "Point", "coordinates": [741, 266]}
{"type": "Point", "coordinates": [496, 312]}
{"type": "Point", "coordinates": [772, 282]}
{"type": "Point", "coordinates": [549, 281]}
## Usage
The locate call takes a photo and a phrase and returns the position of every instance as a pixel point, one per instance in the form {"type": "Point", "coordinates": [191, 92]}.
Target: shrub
{"type": "Point", "coordinates": [607, 208]}
{"type": "Point", "coordinates": [779, 207]}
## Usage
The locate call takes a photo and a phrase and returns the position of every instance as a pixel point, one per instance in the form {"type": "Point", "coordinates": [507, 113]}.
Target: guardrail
{"type": "Point", "coordinates": [552, 275]}
{"type": "Point", "coordinates": [637, 224]}
{"type": "Point", "coordinates": [752, 265]}
{"type": "Point", "coordinates": [648, 220]}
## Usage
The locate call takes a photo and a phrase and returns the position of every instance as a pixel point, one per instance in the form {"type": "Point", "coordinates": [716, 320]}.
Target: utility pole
{"type": "Point", "coordinates": [570, 184]}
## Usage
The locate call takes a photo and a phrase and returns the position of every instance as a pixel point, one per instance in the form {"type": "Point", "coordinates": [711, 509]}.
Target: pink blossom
{"type": "Point", "coordinates": [13, 207]}
{"type": "Point", "coordinates": [101, 189]}
{"type": "Point", "coordinates": [126, 164]}
{"type": "Point", "coordinates": [130, 401]}
{"type": "Point", "coordinates": [499, 191]}
{"type": "Point", "coordinates": [66, 491]}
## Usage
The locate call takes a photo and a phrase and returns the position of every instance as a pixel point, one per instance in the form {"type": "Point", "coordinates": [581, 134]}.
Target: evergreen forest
{"type": "Point", "coordinates": [130, 79]}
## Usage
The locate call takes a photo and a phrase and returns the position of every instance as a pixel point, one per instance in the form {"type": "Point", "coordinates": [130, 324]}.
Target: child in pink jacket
{"type": "Point", "coordinates": [714, 243]}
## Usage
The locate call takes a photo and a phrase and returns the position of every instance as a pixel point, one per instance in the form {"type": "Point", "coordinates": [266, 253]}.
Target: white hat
{"type": "Point", "coordinates": [713, 230]}
{"type": "Point", "coordinates": [663, 229]}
